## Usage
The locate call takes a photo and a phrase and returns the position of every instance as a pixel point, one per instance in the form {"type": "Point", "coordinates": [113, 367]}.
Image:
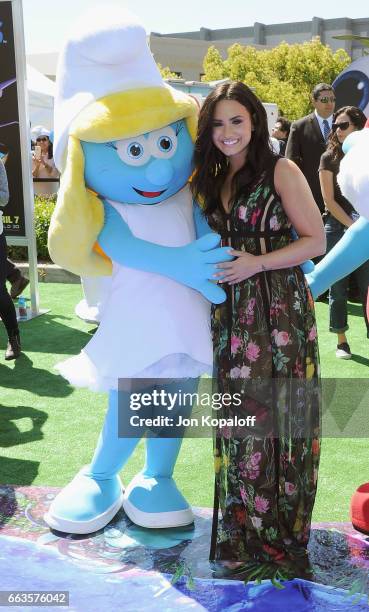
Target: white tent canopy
{"type": "Point", "coordinates": [41, 92]}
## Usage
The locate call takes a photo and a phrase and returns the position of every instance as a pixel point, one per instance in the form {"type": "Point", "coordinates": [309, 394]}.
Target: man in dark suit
{"type": "Point", "coordinates": [308, 137]}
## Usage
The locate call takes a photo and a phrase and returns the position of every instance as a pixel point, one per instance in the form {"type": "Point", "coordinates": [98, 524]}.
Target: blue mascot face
{"type": "Point", "coordinates": [144, 169]}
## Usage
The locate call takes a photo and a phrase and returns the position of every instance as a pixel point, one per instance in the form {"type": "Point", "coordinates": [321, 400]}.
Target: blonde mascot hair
{"type": "Point", "coordinates": [79, 213]}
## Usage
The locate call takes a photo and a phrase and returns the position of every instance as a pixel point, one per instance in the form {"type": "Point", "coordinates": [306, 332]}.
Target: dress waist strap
{"type": "Point", "coordinates": [251, 234]}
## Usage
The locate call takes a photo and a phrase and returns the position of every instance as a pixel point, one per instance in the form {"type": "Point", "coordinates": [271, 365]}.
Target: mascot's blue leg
{"type": "Point", "coordinates": [152, 499]}
{"type": "Point", "coordinates": [95, 495]}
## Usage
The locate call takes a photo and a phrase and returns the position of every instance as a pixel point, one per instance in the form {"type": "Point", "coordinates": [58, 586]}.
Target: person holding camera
{"type": "Point", "coordinates": [43, 166]}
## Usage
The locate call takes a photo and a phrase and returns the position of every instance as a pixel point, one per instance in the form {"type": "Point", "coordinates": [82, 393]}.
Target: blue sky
{"type": "Point", "coordinates": [47, 21]}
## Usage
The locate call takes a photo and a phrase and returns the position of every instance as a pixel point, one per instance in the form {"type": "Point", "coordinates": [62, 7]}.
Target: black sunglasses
{"type": "Point", "coordinates": [343, 125]}
{"type": "Point", "coordinates": [43, 139]}
{"type": "Point", "coordinates": [326, 99]}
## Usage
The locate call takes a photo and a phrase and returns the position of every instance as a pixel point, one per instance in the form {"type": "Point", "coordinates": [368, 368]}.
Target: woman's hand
{"type": "Point", "coordinates": [242, 267]}
{"type": "Point", "coordinates": [36, 162]}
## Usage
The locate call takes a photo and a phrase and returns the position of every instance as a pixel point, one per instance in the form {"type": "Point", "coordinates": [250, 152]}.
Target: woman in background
{"type": "Point", "coordinates": [43, 166]}
{"type": "Point", "coordinates": [341, 214]}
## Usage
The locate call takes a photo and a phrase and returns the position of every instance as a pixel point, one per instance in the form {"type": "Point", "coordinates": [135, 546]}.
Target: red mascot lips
{"type": "Point", "coordinates": [149, 194]}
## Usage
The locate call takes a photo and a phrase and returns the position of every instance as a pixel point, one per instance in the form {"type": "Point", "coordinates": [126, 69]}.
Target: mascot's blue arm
{"type": "Point", "coordinates": [347, 255]}
{"type": "Point", "coordinates": [192, 265]}
{"type": "Point", "coordinates": [201, 225]}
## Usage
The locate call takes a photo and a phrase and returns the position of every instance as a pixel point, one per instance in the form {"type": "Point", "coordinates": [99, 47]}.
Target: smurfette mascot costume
{"type": "Point", "coordinates": [124, 143]}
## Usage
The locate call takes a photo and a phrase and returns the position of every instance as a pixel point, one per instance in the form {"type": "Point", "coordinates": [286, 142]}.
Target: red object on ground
{"type": "Point", "coordinates": [359, 510]}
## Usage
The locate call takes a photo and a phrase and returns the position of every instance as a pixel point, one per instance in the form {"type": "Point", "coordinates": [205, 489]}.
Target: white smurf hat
{"type": "Point", "coordinates": [39, 130]}
{"type": "Point", "coordinates": [106, 53]}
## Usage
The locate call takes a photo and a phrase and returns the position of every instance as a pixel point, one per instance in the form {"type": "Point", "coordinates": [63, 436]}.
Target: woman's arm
{"type": "Point", "coordinates": [35, 166]}
{"type": "Point", "coordinates": [327, 187]}
{"type": "Point", "coordinates": [4, 189]}
{"type": "Point", "coordinates": [50, 167]}
{"type": "Point", "coordinates": [302, 211]}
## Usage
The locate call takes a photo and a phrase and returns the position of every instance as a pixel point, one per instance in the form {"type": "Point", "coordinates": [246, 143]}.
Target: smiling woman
{"type": "Point", "coordinates": [232, 129]}
{"type": "Point", "coordinates": [265, 333]}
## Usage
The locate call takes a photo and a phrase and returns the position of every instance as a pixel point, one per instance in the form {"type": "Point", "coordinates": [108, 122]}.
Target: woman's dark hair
{"type": "Point", "coordinates": [285, 125]}
{"type": "Point", "coordinates": [357, 118]}
{"type": "Point", "coordinates": [50, 150]}
{"type": "Point", "coordinates": [211, 165]}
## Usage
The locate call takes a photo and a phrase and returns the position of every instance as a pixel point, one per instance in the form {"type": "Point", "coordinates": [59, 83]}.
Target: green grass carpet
{"type": "Point", "coordinates": [48, 430]}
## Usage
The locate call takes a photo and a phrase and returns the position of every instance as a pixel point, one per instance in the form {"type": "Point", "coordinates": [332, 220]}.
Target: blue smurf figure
{"type": "Point", "coordinates": [124, 143]}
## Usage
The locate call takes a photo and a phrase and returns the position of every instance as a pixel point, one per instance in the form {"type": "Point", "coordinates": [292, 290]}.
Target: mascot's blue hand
{"type": "Point", "coordinates": [192, 265]}
{"type": "Point", "coordinates": [307, 267]}
{"type": "Point", "coordinates": [347, 255]}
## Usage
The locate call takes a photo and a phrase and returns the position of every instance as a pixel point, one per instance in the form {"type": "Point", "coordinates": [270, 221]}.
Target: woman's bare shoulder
{"type": "Point", "coordinates": [287, 173]}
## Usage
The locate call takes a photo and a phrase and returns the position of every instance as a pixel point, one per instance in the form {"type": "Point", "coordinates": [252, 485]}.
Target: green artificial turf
{"type": "Point", "coordinates": [48, 429]}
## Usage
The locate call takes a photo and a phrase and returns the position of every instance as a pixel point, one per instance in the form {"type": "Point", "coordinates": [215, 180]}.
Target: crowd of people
{"type": "Point", "coordinates": [314, 143]}
{"type": "Point", "coordinates": [266, 328]}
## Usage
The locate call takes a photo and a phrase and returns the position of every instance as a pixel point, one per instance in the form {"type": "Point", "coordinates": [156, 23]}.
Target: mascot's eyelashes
{"type": "Point", "coordinates": [112, 145]}
{"type": "Point", "coordinates": [179, 127]}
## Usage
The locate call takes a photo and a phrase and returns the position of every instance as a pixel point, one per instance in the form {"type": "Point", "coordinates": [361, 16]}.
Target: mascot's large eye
{"type": "Point", "coordinates": [352, 85]}
{"type": "Point", "coordinates": [133, 151]}
{"type": "Point", "coordinates": [163, 143]}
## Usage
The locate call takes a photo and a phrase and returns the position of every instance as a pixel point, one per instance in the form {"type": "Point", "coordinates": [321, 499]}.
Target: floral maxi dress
{"type": "Point", "coordinates": [265, 347]}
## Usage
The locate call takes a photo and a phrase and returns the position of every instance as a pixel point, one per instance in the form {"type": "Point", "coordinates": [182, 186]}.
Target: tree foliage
{"type": "Point", "coordinates": [285, 74]}
{"type": "Point", "coordinates": [166, 72]}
